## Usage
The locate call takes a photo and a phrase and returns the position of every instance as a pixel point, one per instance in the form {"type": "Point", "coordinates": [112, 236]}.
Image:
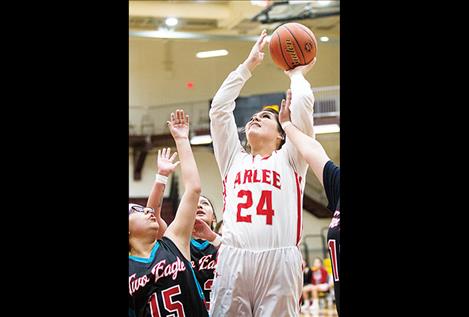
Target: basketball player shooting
{"type": "Point", "coordinates": [259, 270]}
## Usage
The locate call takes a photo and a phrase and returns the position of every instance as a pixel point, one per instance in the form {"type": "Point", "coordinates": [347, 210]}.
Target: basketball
{"type": "Point", "coordinates": [291, 45]}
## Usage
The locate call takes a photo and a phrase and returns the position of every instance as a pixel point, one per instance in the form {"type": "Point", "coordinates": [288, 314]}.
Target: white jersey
{"type": "Point", "coordinates": [262, 195]}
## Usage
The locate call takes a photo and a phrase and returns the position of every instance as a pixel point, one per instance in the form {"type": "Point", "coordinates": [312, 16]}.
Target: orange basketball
{"type": "Point", "coordinates": [291, 45]}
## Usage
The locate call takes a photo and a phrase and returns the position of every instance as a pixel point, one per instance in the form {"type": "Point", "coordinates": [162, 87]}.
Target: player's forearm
{"type": "Point", "coordinates": [250, 64]}
{"type": "Point", "coordinates": [223, 101]}
{"type": "Point", "coordinates": [223, 127]}
{"type": "Point", "coordinates": [189, 173]}
{"type": "Point", "coordinates": [225, 143]}
{"type": "Point", "coordinates": [300, 140]}
{"type": "Point", "coordinates": [299, 84]}
{"type": "Point", "coordinates": [156, 196]}
{"type": "Point", "coordinates": [310, 149]}
{"type": "Point", "coordinates": [302, 104]}
{"type": "Point", "coordinates": [181, 228]}
{"type": "Point", "coordinates": [155, 201]}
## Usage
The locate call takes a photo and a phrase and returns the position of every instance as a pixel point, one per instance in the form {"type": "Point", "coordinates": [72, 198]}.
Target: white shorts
{"type": "Point", "coordinates": [320, 287]}
{"type": "Point", "coordinates": [323, 287]}
{"type": "Point", "coordinates": [257, 283]}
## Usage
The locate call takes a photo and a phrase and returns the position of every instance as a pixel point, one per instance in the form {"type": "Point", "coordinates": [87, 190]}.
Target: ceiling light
{"type": "Point", "coordinates": [326, 128]}
{"type": "Point", "coordinates": [261, 3]}
{"type": "Point", "coordinates": [201, 139]}
{"type": "Point", "coordinates": [171, 21]}
{"type": "Point", "coordinates": [207, 54]}
{"type": "Point", "coordinates": [323, 3]}
{"type": "Point", "coordinates": [324, 39]}
{"type": "Point", "coordinates": [299, 1]}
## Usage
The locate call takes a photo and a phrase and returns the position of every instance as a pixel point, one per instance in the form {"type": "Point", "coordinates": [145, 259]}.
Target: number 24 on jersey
{"type": "Point", "coordinates": [264, 206]}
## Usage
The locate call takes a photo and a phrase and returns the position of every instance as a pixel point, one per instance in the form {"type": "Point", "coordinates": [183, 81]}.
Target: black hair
{"type": "Point", "coordinates": [218, 226]}
{"type": "Point", "coordinates": [213, 209]}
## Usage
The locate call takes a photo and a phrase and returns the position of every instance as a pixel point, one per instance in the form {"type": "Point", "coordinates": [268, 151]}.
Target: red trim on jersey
{"type": "Point", "coordinates": [298, 222]}
{"type": "Point", "coordinates": [224, 193]}
{"type": "Point", "coordinates": [333, 252]}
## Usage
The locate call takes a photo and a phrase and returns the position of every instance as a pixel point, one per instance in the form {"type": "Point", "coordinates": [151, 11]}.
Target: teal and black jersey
{"type": "Point", "coordinates": [204, 259]}
{"type": "Point", "coordinates": [164, 284]}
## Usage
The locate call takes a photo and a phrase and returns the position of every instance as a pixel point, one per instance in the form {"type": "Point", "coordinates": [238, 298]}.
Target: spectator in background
{"type": "Point", "coordinates": [319, 283]}
{"type": "Point", "coordinates": [307, 276]}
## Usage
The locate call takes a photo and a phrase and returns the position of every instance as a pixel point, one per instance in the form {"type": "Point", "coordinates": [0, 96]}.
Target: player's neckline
{"type": "Point", "coordinates": [262, 157]}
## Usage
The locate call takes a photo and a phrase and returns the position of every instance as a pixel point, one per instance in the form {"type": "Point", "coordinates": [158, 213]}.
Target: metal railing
{"type": "Point", "coordinates": [320, 247]}
{"type": "Point", "coordinates": [327, 101]}
{"type": "Point", "coordinates": [148, 120]}
{"type": "Point", "coordinates": [152, 119]}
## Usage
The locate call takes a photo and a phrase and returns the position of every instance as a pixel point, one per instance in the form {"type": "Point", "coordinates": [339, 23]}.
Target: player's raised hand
{"type": "Point", "coordinates": [284, 114]}
{"type": "Point", "coordinates": [304, 69]}
{"type": "Point", "coordinates": [202, 230]}
{"type": "Point", "coordinates": [179, 125]}
{"type": "Point", "coordinates": [256, 56]}
{"type": "Point", "coordinates": [165, 163]}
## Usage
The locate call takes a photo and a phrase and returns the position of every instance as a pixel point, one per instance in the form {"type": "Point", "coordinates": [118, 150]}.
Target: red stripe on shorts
{"type": "Point", "coordinates": [298, 222]}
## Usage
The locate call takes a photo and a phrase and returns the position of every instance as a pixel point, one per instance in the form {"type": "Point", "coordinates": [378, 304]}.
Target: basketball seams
{"type": "Point", "coordinates": [281, 50]}
{"type": "Point", "coordinates": [303, 28]}
{"type": "Point", "coordinates": [297, 43]}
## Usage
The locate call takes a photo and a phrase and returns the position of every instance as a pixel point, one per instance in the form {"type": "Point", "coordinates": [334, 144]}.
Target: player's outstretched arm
{"type": "Point", "coordinates": [302, 104]}
{"type": "Point", "coordinates": [223, 127]}
{"type": "Point", "coordinates": [179, 231]}
{"type": "Point", "coordinates": [310, 149]}
{"type": "Point", "coordinates": [256, 56]}
{"type": "Point", "coordinates": [302, 101]}
{"type": "Point", "coordinates": [166, 167]}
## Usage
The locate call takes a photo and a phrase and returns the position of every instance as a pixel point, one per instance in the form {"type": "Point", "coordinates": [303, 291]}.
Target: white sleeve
{"type": "Point", "coordinates": [301, 108]}
{"type": "Point", "coordinates": [223, 128]}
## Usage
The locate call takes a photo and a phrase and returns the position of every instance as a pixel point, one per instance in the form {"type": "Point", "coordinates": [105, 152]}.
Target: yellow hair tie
{"type": "Point", "coordinates": [273, 107]}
